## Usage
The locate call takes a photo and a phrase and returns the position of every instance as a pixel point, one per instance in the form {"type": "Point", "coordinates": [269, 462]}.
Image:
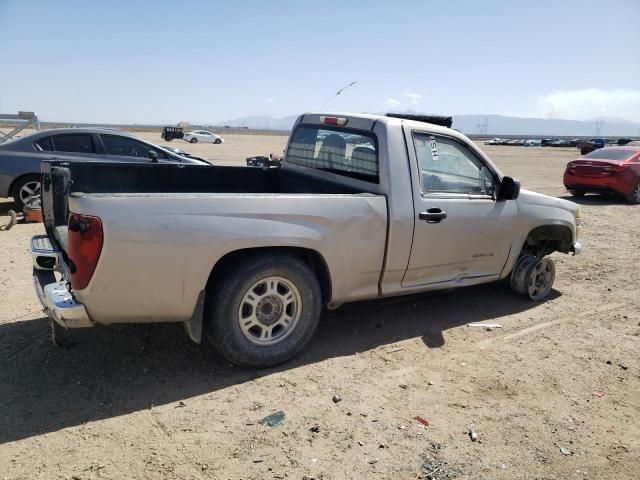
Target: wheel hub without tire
{"type": "Point", "coordinates": [269, 310]}
{"type": "Point", "coordinates": [533, 277]}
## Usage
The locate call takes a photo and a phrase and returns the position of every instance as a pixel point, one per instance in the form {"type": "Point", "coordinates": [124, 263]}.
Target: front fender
{"type": "Point", "coordinates": [536, 210]}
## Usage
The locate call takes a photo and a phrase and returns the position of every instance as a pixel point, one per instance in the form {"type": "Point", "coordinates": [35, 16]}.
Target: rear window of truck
{"type": "Point", "coordinates": [351, 153]}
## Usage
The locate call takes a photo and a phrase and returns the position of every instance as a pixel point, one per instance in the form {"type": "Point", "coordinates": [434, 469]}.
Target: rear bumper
{"type": "Point", "coordinates": [56, 297]}
{"type": "Point", "coordinates": [615, 184]}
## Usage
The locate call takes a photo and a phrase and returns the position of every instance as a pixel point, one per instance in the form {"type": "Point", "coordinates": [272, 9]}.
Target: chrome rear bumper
{"type": "Point", "coordinates": [56, 298]}
{"type": "Point", "coordinates": [43, 254]}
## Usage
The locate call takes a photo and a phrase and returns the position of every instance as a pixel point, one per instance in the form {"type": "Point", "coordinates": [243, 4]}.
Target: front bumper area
{"type": "Point", "coordinates": [576, 248]}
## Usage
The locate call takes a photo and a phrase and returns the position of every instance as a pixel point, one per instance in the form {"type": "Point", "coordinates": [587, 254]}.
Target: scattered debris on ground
{"type": "Point", "coordinates": [276, 419]}
{"type": "Point", "coordinates": [488, 326]}
{"type": "Point", "coordinates": [565, 451]}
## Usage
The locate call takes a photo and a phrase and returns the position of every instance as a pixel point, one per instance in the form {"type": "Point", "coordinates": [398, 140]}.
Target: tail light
{"type": "Point", "coordinates": [84, 246]}
{"type": "Point", "coordinates": [621, 168]}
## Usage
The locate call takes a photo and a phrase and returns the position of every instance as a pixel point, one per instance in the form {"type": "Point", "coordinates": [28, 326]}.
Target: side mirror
{"type": "Point", "coordinates": [153, 155]}
{"type": "Point", "coordinates": [509, 189]}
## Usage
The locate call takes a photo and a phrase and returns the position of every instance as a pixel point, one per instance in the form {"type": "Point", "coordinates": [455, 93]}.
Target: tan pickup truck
{"type": "Point", "coordinates": [362, 207]}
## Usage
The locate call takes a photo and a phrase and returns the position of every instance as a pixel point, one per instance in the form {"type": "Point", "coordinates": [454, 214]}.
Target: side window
{"type": "Point", "coordinates": [339, 151]}
{"type": "Point", "coordinates": [446, 165]}
{"type": "Point", "coordinates": [126, 147]}
{"type": "Point", "coordinates": [44, 144]}
{"type": "Point", "coordinates": [73, 142]}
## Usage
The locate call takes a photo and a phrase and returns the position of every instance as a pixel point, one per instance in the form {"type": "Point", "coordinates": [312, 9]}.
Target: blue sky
{"type": "Point", "coordinates": [205, 61]}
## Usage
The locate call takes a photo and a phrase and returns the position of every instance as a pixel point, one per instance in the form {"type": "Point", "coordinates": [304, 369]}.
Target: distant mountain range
{"type": "Point", "coordinates": [496, 125]}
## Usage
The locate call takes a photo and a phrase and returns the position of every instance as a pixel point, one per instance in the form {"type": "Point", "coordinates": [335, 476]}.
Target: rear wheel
{"type": "Point", "coordinates": [168, 139]}
{"type": "Point", "coordinates": [533, 277]}
{"type": "Point", "coordinates": [193, 140]}
{"type": "Point", "coordinates": [634, 196]}
{"type": "Point", "coordinates": [264, 311]}
{"type": "Point", "coordinates": [577, 193]}
{"type": "Point", "coordinates": [26, 189]}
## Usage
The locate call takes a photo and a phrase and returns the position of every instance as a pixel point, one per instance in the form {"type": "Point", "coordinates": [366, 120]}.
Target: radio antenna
{"type": "Point", "coordinates": [337, 93]}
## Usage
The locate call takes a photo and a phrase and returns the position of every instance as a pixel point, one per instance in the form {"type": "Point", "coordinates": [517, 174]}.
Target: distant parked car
{"type": "Point", "coordinates": [202, 136]}
{"type": "Point", "coordinates": [20, 158]}
{"type": "Point", "coordinates": [169, 133]}
{"type": "Point", "coordinates": [635, 143]}
{"type": "Point", "coordinates": [561, 143]}
{"type": "Point", "coordinates": [592, 145]}
{"type": "Point", "coordinates": [533, 143]}
{"type": "Point", "coordinates": [606, 170]}
{"type": "Point", "coordinates": [494, 141]}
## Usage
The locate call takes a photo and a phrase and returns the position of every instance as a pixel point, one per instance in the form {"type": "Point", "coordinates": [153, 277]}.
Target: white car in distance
{"type": "Point", "coordinates": [202, 136]}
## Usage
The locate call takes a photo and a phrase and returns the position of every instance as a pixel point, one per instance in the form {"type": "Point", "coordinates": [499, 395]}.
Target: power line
{"type": "Point", "coordinates": [599, 124]}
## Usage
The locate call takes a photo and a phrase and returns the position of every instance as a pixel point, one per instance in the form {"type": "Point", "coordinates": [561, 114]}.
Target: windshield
{"type": "Point", "coordinates": [352, 153]}
{"type": "Point", "coordinates": [611, 154]}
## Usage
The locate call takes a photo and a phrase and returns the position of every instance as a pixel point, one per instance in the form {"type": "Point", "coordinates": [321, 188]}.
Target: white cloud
{"type": "Point", "coordinates": [592, 102]}
{"type": "Point", "coordinates": [392, 103]}
{"type": "Point", "coordinates": [414, 98]}
{"type": "Point", "coordinates": [268, 100]}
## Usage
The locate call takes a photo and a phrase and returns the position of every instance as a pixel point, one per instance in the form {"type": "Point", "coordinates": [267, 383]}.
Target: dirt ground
{"type": "Point", "coordinates": [144, 402]}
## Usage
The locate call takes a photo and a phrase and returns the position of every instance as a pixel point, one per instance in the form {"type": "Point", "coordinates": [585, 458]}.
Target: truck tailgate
{"type": "Point", "coordinates": [55, 186]}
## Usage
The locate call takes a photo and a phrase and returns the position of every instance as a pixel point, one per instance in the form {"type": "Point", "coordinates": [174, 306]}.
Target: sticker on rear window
{"type": "Point", "coordinates": [434, 149]}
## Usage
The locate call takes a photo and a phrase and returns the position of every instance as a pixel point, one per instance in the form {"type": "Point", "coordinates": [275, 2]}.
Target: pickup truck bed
{"type": "Point", "coordinates": [149, 180]}
{"type": "Point", "coordinates": [214, 210]}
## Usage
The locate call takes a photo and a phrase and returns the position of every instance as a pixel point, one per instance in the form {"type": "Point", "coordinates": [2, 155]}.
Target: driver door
{"type": "Point", "coordinates": [461, 232]}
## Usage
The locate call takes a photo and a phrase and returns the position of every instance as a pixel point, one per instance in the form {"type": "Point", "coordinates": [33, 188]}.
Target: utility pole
{"type": "Point", "coordinates": [599, 124]}
{"type": "Point", "coordinates": [483, 127]}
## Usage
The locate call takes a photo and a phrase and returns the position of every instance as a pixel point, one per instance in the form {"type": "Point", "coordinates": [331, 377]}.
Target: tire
{"type": "Point", "coordinates": [24, 189]}
{"type": "Point", "coordinates": [168, 139]}
{"type": "Point", "coordinates": [577, 193]}
{"type": "Point", "coordinates": [193, 140]}
{"type": "Point", "coordinates": [246, 315]}
{"type": "Point", "coordinates": [634, 197]}
{"type": "Point", "coordinates": [533, 277]}
{"type": "Point", "coordinates": [218, 141]}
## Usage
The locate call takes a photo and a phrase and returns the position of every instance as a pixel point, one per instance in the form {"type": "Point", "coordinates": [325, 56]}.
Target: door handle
{"type": "Point", "coordinates": [433, 215]}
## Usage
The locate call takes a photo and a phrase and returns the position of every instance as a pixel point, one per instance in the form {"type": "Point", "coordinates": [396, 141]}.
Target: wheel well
{"type": "Point", "coordinates": [17, 180]}
{"type": "Point", "coordinates": [312, 258]}
{"type": "Point", "coordinates": [547, 239]}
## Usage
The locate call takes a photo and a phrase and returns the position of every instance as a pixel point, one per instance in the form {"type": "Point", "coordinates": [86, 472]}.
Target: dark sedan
{"type": "Point", "coordinates": [20, 158]}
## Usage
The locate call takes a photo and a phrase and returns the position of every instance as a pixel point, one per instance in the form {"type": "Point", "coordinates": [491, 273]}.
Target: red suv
{"type": "Point", "coordinates": [607, 170]}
